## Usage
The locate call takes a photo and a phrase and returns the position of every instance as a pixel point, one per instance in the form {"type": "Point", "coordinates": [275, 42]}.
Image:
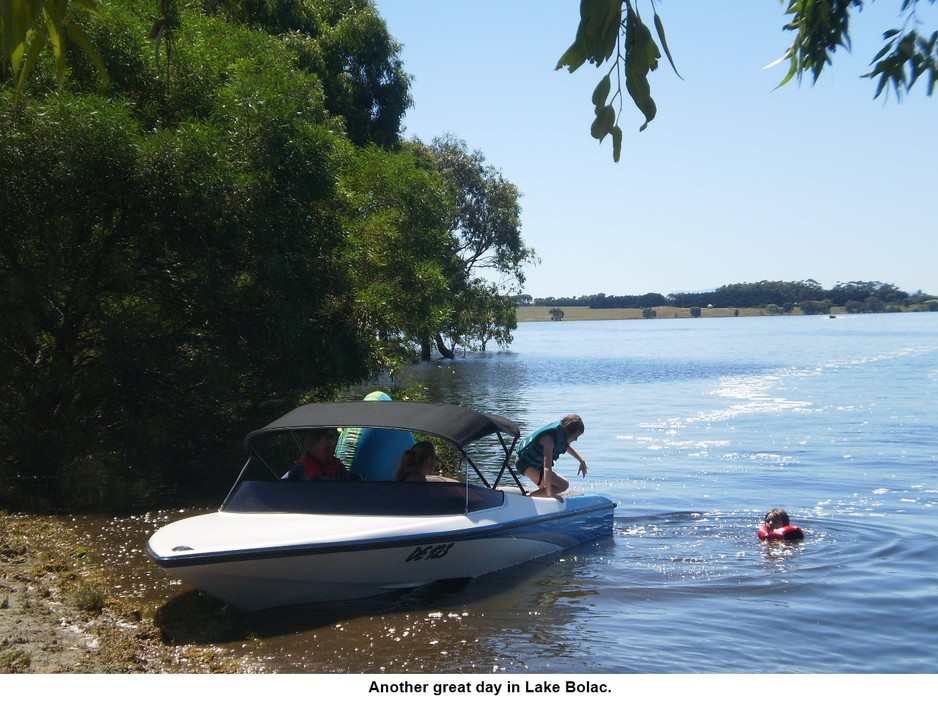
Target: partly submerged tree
{"type": "Point", "coordinates": [614, 29]}
{"type": "Point", "coordinates": [487, 314]}
{"type": "Point", "coordinates": [399, 251]}
{"type": "Point", "coordinates": [486, 227]}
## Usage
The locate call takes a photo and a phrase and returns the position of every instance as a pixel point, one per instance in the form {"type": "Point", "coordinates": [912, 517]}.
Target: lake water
{"type": "Point", "coordinates": [696, 428]}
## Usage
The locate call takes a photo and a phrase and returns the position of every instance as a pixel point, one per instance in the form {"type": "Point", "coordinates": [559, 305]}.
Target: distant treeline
{"type": "Point", "coordinates": [857, 295]}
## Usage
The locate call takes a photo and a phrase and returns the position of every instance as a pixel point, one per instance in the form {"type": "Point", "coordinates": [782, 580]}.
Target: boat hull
{"type": "Point", "coordinates": [366, 556]}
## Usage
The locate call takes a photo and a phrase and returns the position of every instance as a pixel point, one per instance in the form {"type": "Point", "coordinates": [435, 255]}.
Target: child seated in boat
{"type": "Point", "coordinates": [419, 464]}
{"type": "Point", "coordinates": [777, 526]}
{"type": "Point", "coordinates": [319, 460]}
{"type": "Point", "coordinates": [538, 452]}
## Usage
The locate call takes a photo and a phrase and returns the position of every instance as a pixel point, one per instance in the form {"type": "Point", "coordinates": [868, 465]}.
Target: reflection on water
{"type": "Point", "coordinates": [695, 429]}
{"type": "Point", "coordinates": [662, 573]}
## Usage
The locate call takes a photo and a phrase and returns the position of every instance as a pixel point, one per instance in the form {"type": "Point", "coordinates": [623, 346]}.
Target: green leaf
{"type": "Point", "coordinates": [793, 69]}
{"type": "Point", "coordinates": [54, 25]}
{"type": "Point", "coordinates": [881, 53]}
{"type": "Point", "coordinates": [641, 57]}
{"type": "Point", "coordinates": [607, 118]}
{"type": "Point", "coordinates": [931, 42]}
{"type": "Point", "coordinates": [602, 125]}
{"type": "Point", "coordinates": [572, 58]}
{"type": "Point", "coordinates": [602, 91]}
{"type": "Point", "coordinates": [616, 143]}
{"type": "Point", "coordinates": [882, 85]}
{"type": "Point", "coordinates": [596, 128]}
{"type": "Point", "coordinates": [646, 46]}
{"type": "Point", "coordinates": [32, 54]}
{"type": "Point", "coordinates": [77, 35]}
{"type": "Point", "coordinates": [600, 22]}
{"type": "Point", "coordinates": [575, 56]}
{"type": "Point", "coordinates": [28, 26]}
{"type": "Point", "coordinates": [659, 27]}
{"type": "Point", "coordinates": [610, 31]}
{"type": "Point", "coordinates": [596, 35]}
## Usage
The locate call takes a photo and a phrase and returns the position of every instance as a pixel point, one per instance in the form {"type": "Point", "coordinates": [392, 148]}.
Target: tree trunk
{"type": "Point", "coordinates": [443, 349]}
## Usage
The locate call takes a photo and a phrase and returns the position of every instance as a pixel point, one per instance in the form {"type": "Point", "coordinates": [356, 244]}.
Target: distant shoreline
{"type": "Point", "coordinates": [534, 314]}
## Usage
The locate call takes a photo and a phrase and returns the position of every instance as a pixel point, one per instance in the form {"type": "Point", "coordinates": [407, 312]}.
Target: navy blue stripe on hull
{"type": "Point", "coordinates": [563, 530]}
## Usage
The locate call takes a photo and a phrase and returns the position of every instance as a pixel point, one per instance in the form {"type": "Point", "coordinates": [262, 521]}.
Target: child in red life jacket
{"type": "Point", "coordinates": [777, 526]}
{"type": "Point", "coordinates": [319, 460]}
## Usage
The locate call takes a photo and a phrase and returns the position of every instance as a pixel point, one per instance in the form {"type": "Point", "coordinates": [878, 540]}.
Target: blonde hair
{"type": "Point", "coordinates": [415, 462]}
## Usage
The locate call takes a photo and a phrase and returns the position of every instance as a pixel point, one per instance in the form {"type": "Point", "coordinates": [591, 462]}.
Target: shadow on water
{"type": "Point", "coordinates": [194, 617]}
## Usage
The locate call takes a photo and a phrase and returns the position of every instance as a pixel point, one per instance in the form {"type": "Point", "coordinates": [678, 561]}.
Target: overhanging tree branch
{"type": "Point", "coordinates": [614, 28]}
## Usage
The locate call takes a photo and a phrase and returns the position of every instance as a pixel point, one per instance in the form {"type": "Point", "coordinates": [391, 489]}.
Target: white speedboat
{"type": "Point", "coordinates": [276, 543]}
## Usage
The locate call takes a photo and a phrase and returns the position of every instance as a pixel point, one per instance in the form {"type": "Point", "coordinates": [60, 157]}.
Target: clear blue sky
{"type": "Point", "coordinates": [732, 182]}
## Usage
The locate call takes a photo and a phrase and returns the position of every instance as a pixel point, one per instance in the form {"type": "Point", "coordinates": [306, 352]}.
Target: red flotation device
{"type": "Point", "coordinates": [783, 533]}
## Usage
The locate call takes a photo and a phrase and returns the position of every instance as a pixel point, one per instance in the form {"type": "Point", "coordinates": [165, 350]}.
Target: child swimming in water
{"type": "Point", "coordinates": [777, 526]}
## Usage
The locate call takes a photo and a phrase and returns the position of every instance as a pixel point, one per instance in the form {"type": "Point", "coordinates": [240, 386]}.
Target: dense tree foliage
{"type": "Point", "coordinates": [614, 30]}
{"type": "Point", "coordinates": [225, 228]}
{"type": "Point", "coordinates": [401, 253]}
{"type": "Point", "coordinates": [348, 46]}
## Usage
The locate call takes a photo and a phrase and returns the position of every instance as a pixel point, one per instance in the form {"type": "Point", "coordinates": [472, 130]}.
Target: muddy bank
{"type": "Point", "coordinates": [56, 615]}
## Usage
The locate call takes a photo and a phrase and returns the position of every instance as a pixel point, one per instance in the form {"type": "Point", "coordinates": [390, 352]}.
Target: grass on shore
{"type": "Point", "coordinates": [531, 314]}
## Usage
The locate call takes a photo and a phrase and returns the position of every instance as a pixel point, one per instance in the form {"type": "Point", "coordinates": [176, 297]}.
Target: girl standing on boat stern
{"type": "Point", "coordinates": [538, 452]}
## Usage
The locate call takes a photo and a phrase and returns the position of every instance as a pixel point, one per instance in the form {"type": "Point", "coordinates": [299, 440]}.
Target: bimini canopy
{"type": "Point", "coordinates": [453, 423]}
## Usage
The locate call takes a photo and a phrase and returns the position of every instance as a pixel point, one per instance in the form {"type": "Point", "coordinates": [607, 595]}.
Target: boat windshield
{"type": "Point", "coordinates": [274, 454]}
{"type": "Point", "coordinates": [362, 498]}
